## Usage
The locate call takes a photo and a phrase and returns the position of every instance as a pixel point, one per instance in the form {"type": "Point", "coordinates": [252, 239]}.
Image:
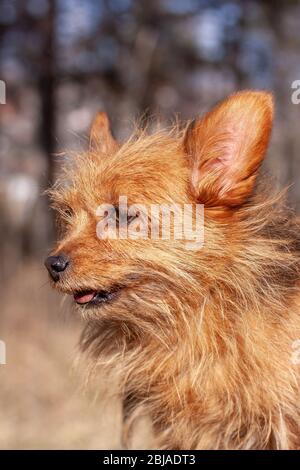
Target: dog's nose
{"type": "Point", "coordinates": [56, 265]}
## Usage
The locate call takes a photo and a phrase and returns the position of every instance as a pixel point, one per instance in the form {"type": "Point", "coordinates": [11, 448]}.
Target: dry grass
{"type": "Point", "coordinates": [42, 403]}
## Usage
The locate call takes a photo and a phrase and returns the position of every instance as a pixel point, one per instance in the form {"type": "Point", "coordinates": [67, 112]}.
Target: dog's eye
{"type": "Point", "coordinates": [68, 212]}
{"type": "Point", "coordinates": [130, 218]}
{"type": "Point", "coordinates": [118, 215]}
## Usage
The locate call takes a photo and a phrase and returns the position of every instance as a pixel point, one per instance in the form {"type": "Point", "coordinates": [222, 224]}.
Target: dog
{"type": "Point", "coordinates": [201, 337]}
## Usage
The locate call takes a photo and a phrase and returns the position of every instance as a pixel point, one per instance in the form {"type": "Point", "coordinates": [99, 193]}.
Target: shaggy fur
{"type": "Point", "coordinates": [201, 340]}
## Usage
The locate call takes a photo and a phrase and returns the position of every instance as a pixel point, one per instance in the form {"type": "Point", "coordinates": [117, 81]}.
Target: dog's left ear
{"type": "Point", "coordinates": [100, 135]}
{"type": "Point", "coordinates": [227, 146]}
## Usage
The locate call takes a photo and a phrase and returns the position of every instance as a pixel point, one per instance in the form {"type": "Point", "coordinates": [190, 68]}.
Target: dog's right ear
{"type": "Point", "coordinates": [226, 148]}
{"type": "Point", "coordinates": [100, 135]}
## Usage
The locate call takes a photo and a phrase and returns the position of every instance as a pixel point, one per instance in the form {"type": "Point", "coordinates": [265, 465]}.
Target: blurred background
{"type": "Point", "coordinates": [62, 61]}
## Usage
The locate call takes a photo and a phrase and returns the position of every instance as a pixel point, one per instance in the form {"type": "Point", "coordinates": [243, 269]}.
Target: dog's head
{"type": "Point", "coordinates": [121, 250]}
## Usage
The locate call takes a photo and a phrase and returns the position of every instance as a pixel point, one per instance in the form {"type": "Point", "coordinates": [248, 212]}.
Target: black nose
{"type": "Point", "coordinates": [56, 265]}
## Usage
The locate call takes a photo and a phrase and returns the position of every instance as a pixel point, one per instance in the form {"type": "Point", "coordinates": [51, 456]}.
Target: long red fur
{"type": "Point", "coordinates": [201, 340]}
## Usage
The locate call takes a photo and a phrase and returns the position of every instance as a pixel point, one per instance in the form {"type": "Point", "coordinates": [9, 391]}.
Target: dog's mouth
{"type": "Point", "coordinates": [93, 297]}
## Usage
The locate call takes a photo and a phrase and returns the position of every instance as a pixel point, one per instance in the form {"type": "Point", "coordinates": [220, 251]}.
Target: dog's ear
{"type": "Point", "coordinates": [227, 146]}
{"type": "Point", "coordinates": [100, 135]}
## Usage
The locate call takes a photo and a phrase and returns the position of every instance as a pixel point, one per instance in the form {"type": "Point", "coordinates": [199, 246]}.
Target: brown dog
{"type": "Point", "coordinates": [204, 339]}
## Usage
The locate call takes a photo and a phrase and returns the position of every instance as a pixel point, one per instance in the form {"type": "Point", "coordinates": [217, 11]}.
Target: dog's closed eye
{"type": "Point", "coordinates": [123, 214]}
{"type": "Point", "coordinates": [67, 212]}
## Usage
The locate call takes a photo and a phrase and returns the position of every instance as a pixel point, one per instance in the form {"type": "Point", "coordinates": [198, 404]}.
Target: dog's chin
{"type": "Point", "coordinates": [95, 298]}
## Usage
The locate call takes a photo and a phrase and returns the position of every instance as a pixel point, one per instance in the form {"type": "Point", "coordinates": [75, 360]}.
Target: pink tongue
{"type": "Point", "coordinates": [84, 297]}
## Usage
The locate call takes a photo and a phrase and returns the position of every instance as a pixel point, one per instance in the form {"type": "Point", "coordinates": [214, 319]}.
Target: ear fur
{"type": "Point", "coordinates": [100, 135]}
{"type": "Point", "coordinates": [226, 148]}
